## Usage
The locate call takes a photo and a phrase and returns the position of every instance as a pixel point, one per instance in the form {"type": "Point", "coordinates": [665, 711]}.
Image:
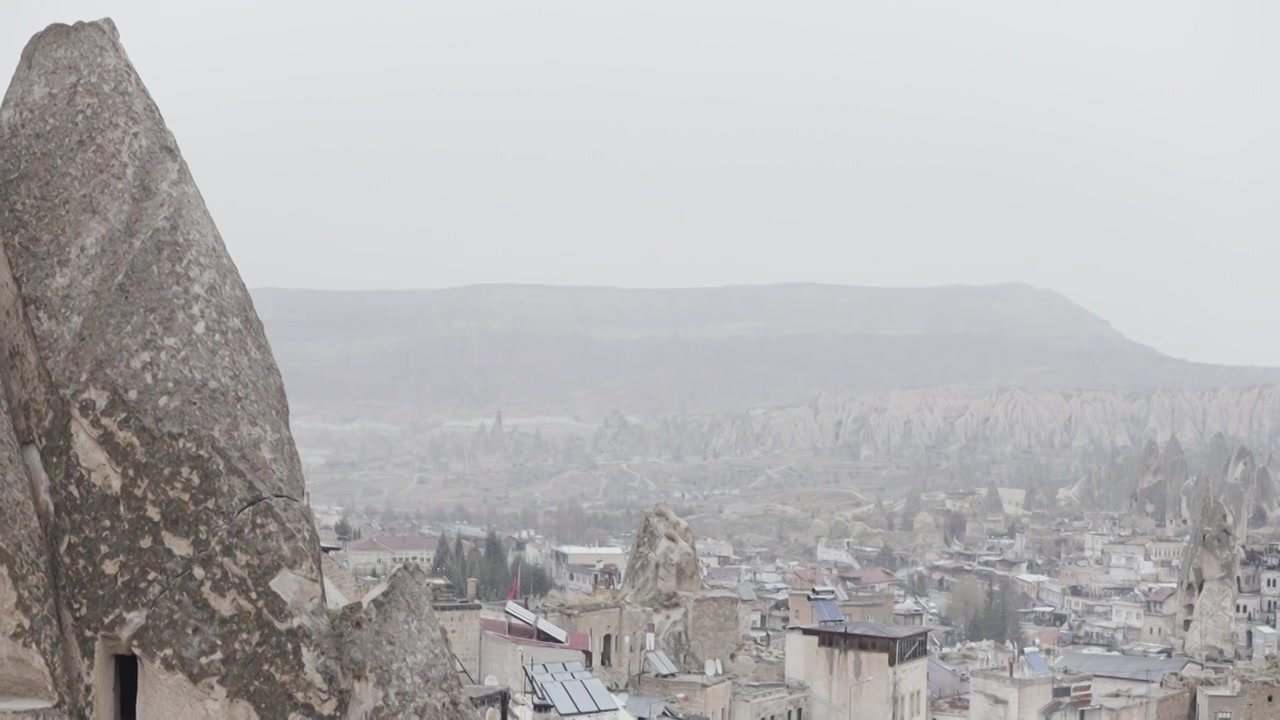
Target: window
{"type": "Point", "coordinates": [1223, 715]}
{"type": "Point", "coordinates": [799, 713]}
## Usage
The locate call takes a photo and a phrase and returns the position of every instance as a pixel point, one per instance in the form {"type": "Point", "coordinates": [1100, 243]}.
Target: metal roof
{"type": "Point", "coordinates": [1036, 662]}
{"type": "Point", "coordinates": [1124, 667]}
{"type": "Point", "coordinates": [868, 629]}
{"type": "Point", "coordinates": [826, 611]}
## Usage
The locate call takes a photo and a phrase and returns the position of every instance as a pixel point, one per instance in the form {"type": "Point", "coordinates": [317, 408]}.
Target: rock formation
{"type": "Point", "coordinates": [664, 558]}
{"type": "Point", "coordinates": [1151, 497]}
{"type": "Point", "coordinates": [1207, 582]}
{"type": "Point", "coordinates": [149, 420]}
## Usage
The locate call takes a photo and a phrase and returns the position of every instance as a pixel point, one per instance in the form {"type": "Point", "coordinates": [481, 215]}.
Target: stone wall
{"type": "Point", "coordinates": [713, 627]}
{"type": "Point", "coordinates": [461, 622]}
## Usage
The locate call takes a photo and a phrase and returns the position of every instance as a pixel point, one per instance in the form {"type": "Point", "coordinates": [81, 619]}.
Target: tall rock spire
{"type": "Point", "coordinates": [142, 386]}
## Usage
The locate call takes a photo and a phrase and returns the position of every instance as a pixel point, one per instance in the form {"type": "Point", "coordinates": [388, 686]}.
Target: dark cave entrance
{"type": "Point", "coordinates": [126, 671]}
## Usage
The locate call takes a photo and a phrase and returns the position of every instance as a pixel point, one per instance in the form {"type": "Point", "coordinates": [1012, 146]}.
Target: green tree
{"type": "Point", "coordinates": [909, 512]}
{"type": "Point", "coordinates": [885, 558]}
{"type": "Point", "coordinates": [535, 581]}
{"type": "Point", "coordinates": [343, 529]}
{"type": "Point", "coordinates": [966, 602]}
{"type": "Point", "coordinates": [474, 566]}
{"type": "Point", "coordinates": [442, 559]}
{"type": "Point", "coordinates": [998, 620]}
{"type": "Point", "coordinates": [461, 568]}
{"type": "Point", "coordinates": [918, 584]}
{"type": "Point", "coordinates": [494, 577]}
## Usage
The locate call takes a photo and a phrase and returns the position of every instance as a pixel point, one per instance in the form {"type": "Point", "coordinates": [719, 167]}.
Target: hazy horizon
{"type": "Point", "coordinates": [1123, 156]}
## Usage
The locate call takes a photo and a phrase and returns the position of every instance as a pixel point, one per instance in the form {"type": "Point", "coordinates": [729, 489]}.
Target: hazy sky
{"type": "Point", "coordinates": [1121, 153]}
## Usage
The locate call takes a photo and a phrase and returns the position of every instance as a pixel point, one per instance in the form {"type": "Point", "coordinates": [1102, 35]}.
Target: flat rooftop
{"type": "Point", "coordinates": [866, 629]}
{"type": "Point", "coordinates": [588, 550]}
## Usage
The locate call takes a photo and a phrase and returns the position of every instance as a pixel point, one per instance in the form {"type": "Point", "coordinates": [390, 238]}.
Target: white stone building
{"type": "Point", "coordinates": [881, 670]}
{"type": "Point", "coordinates": [380, 555]}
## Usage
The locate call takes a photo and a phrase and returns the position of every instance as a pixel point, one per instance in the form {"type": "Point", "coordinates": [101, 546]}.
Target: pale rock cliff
{"type": "Point", "coordinates": [979, 422]}
{"type": "Point", "coordinates": [664, 558]}
{"type": "Point", "coordinates": [154, 428]}
{"type": "Point", "coordinates": [1207, 582]}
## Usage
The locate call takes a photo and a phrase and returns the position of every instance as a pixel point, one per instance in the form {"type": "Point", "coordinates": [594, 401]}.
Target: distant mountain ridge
{"type": "Point", "coordinates": [424, 354]}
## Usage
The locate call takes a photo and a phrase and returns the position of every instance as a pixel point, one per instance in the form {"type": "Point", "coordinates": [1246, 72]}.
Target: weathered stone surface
{"type": "Point", "coordinates": [1207, 582]}
{"type": "Point", "coordinates": [394, 651]}
{"type": "Point", "coordinates": [158, 411]}
{"type": "Point", "coordinates": [1151, 496]}
{"type": "Point", "coordinates": [30, 654]}
{"type": "Point", "coordinates": [664, 558]}
{"type": "Point", "coordinates": [143, 394]}
{"type": "Point", "coordinates": [348, 586]}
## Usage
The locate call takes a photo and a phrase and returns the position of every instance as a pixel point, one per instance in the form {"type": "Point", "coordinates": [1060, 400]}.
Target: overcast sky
{"type": "Point", "coordinates": [1123, 154]}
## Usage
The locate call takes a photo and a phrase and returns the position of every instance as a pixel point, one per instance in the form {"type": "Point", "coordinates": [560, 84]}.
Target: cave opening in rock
{"type": "Point", "coordinates": [126, 687]}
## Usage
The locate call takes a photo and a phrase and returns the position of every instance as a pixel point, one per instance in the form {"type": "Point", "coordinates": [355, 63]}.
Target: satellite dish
{"type": "Point", "coordinates": [719, 667]}
{"type": "Point", "coordinates": [491, 680]}
{"type": "Point", "coordinates": [711, 668]}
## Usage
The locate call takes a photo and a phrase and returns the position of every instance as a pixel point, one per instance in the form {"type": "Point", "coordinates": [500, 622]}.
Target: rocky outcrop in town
{"type": "Point", "coordinates": [1207, 583]}
{"type": "Point", "coordinates": [155, 498]}
{"type": "Point", "coordinates": [664, 558]}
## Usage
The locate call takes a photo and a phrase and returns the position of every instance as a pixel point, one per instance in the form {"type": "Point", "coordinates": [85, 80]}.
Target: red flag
{"type": "Point", "coordinates": [514, 590]}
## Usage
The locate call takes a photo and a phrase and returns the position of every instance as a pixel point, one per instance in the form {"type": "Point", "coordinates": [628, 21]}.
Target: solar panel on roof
{"type": "Point", "coordinates": [827, 611]}
{"type": "Point", "coordinates": [575, 675]}
{"type": "Point", "coordinates": [580, 696]}
{"type": "Point", "coordinates": [560, 699]}
{"type": "Point", "coordinates": [661, 664]}
{"type": "Point", "coordinates": [520, 613]}
{"type": "Point", "coordinates": [604, 700]}
{"type": "Point", "coordinates": [553, 632]}
{"type": "Point", "coordinates": [1036, 662]}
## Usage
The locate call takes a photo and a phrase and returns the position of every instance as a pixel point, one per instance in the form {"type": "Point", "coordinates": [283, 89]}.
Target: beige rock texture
{"type": "Point", "coordinates": [1207, 582]}
{"type": "Point", "coordinates": [147, 418]}
{"type": "Point", "coordinates": [664, 558]}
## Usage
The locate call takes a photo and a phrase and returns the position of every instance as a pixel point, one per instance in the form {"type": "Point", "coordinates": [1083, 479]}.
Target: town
{"type": "Point", "coordinates": [676, 361]}
{"type": "Point", "coordinates": [1166, 609]}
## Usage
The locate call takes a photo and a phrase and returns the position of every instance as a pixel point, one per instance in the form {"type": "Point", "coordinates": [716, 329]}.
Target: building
{"type": "Point", "coordinates": [1247, 698]}
{"type": "Point", "coordinates": [882, 670]}
{"type": "Point", "coordinates": [701, 695]}
{"type": "Point", "coordinates": [460, 618]}
{"type": "Point", "coordinates": [1158, 615]}
{"type": "Point", "coordinates": [568, 690]}
{"type": "Point", "coordinates": [868, 580]}
{"type": "Point", "coordinates": [817, 606]}
{"type": "Point", "coordinates": [1022, 692]}
{"type": "Point", "coordinates": [380, 555]}
{"type": "Point", "coordinates": [780, 700]}
{"type": "Point", "coordinates": [510, 645]}
{"type": "Point", "coordinates": [574, 566]}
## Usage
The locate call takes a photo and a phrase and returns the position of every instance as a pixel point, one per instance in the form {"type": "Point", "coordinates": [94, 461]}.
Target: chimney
{"type": "Point", "coordinates": [472, 588]}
